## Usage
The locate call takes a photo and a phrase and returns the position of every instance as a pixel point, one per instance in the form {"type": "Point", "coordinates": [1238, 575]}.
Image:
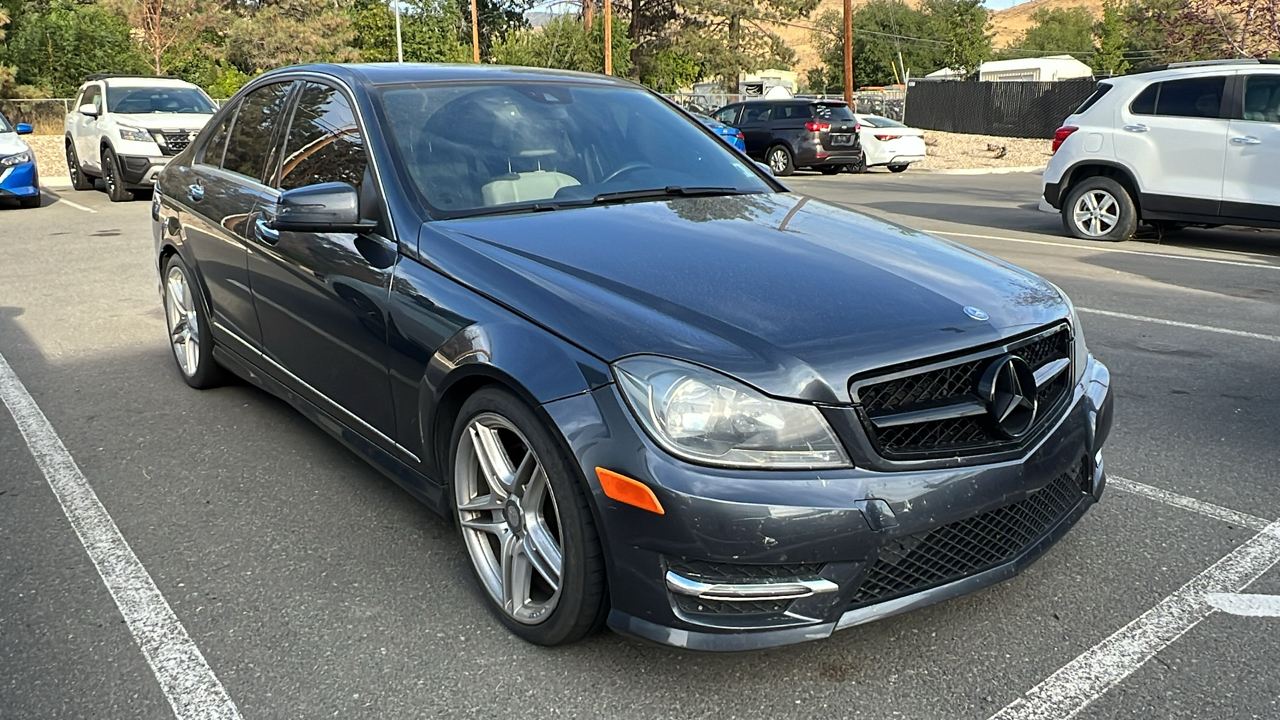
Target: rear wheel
{"type": "Point", "coordinates": [525, 521]}
{"type": "Point", "coordinates": [189, 326]}
{"type": "Point", "coordinates": [897, 168]}
{"type": "Point", "coordinates": [113, 178]}
{"type": "Point", "coordinates": [79, 180]}
{"type": "Point", "coordinates": [780, 161]}
{"type": "Point", "coordinates": [1099, 208]}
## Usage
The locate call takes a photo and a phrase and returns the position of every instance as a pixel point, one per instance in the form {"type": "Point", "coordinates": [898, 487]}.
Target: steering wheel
{"type": "Point", "coordinates": [629, 167]}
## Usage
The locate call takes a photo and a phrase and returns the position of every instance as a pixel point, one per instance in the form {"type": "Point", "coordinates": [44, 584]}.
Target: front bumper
{"type": "Point", "coordinates": [140, 171]}
{"type": "Point", "coordinates": [825, 529]}
{"type": "Point", "coordinates": [20, 180]}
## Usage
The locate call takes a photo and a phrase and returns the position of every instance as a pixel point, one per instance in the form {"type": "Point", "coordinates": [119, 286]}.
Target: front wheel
{"type": "Point", "coordinates": [1099, 208]}
{"type": "Point", "coordinates": [859, 166]}
{"type": "Point", "coordinates": [780, 161]}
{"type": "Point", "coordinates": [525, 521]}
{"type": "Point", "coordinates": [189, 326]}
{"type": "Point", "coordinates": [113, 178]}
{"type": "Point", "coordinates": [897, 168]}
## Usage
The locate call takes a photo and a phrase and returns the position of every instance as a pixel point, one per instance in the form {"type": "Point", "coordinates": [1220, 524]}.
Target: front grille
{"type": "Point", "coordinates": [923, 560]}
{"type": "Point", "coordinates": [175, 141]}
{"type": "Point", "coordinates": [714, 572]}
{"type": "Point", "coordinates": [956, 385]}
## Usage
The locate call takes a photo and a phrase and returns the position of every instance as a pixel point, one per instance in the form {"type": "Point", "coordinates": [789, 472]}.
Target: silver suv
{"type": "Point", "coordinates": [1185, 144]}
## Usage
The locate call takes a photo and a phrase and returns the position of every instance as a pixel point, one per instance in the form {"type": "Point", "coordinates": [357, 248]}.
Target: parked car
{"type": "Point", "coordinates": [1189, 143]}
{"type": "Point", "coordinates": [888, 142]}
{"type": "Point", "coordinates": [796, 133]}
{"type": "Point", "coordinates": [125, 128]}
{"type": "Point", "coordinates": [731, 135]}
{"type": "Point", "coordinates": [19, 177]}
{"type": "Point", "coordinates": [654, 389]}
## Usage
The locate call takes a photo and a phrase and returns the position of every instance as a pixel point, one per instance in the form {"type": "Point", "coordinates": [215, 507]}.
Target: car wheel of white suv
{"type": "Point", "coordinates": [1099, 208]}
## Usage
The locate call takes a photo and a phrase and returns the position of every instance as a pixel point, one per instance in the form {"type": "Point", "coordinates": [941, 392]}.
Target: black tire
{"type": "Point", "coordinates": [114, 179]}
{"type": "Point", "coordinates": [79, 180]}
{"type": "Point", "coordinates": [829, 169]}
{"type": "Point", "coordinates": [780, 160]}
{"type": "Point", "coordinates": [859, 166]}
{"type": "Point", "coordinates": [1117, 219]}
{"type": "Point", "coordinates": [206, 373]}
{"type": "Point", "coordinates": [898, 168]}
{"type": "Point", "coordinates": [583, 601]}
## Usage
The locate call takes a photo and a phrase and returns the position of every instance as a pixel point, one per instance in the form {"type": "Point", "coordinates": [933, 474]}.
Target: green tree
{"type": "Point", "coordinates": [1055, 31]}
{"type": "Point", "coordinates": [267, 34]}
{"type": "Point", "coordinates": [428, 30]}
{"type": "Point", "coordinates": [55, 48]}
{"type": "Point", "coordinates": [498, 18]}
{"type": "Point", "coordinates": [730, 37]}
{"type": "Point", "coordinates": [1112, 32]}
{"type": "Point", "coordinates": [565, 43]}
{"type": "Point", "coordinates": [962, 26]}
{"type": "Point", "coordinates": [890, 38]}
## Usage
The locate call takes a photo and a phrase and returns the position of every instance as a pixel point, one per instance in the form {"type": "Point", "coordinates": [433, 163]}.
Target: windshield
{"type": "Point", "coordinates": [4, 125]}
{"type": "Point", "coordinates": [157, 100]}
{"type": "Point", "coordinates": [839, 112]}
{"type": "Point", "coordinates": [500, 147]}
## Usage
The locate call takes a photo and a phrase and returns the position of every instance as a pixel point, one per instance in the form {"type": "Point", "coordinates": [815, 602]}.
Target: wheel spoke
{"type": "Point", "coordinates": [527, 472]}
{"type": "Point", "coordinates": [495, 466]}
{"type": "Point", "coordinates": [481, 503]}
{"type": "Point", "coordinates": [488, 525]}
{"type": "Point", "coordinates": [1092, 201]}
{"type": "Point", "coordinates": [517, 573]}
{"type": "Point", "coordinates": [179, 333]}
{"type": "Point", "coordinates": [192, 351]}
{"type": "Point", "coordinates": [544, 555]}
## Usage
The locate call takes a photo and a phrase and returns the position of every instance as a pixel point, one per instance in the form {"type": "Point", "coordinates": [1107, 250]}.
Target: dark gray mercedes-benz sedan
{"type": "Point", "coordinates": [653, 388]}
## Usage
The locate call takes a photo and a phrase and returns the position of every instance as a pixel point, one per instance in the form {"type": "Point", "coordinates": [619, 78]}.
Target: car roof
{"type": "Point", "coordinates": [810, 101]}
{"type": "Point", "coordinates": [153, 82]}
{"type": "Point", "coordinates": [395, 73]}
{"type": "Point", "coordinates": [1158, 73]}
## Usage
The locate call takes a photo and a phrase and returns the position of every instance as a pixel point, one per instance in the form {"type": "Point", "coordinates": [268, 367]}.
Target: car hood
{"type": "Point", "coordinates": [11, 144]}
{"type": "Point", "coordinates": [163, 121]}
{"type": "Point", "coordinates": [782, 291]}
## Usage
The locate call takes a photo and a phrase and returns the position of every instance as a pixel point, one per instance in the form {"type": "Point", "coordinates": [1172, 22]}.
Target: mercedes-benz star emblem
{"type": "Point", "coordinates": [976, 313]}
{"type": "Point", "coordinates": [1009, 388]}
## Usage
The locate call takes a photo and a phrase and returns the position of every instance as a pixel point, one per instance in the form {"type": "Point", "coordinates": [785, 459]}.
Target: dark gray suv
{"type": "Point", "coordinates": [796, 133]}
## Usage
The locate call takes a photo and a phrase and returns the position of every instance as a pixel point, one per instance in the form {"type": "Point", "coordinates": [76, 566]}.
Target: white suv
{"type": "Point", "coordinates": [124, 129]}
{"type": "Point", "coordinates": [1188, 144]}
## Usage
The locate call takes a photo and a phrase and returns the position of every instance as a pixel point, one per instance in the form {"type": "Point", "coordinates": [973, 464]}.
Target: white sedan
{"type": "Point", "coordinates": [889, 142]}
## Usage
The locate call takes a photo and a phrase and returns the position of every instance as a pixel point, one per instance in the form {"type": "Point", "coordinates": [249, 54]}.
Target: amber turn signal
{"type": "Point", "coordinates": [632, 492]}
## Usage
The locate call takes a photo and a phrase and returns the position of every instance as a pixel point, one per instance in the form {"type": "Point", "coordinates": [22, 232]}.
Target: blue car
{"type": "Point", "coordinates": [731, 135]}
{"type": "Point", "coordinates": [18, 176]}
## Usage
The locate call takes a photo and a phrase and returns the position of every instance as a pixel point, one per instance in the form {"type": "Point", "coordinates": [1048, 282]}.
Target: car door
{"type": "Point", "coordinates": [222, 189]}
{"type": "Point", "coordinates": [755, 128]}
{"type": "Point", "coordinates": [322, 297]}
{"type": "Point", "coordinates": [86, 133]}
{"type": "Point", "coordinates": [1250, 188]}
{"type": "Point", "coordinates": [1174, 135]}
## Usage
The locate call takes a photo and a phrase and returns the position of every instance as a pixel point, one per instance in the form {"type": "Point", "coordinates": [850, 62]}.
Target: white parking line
{"type": "Point", "coordinates": [1246, 605]}
{"type": "Point", "coordinates": [188, 682]}
{"type": "Point", "coordinates": [59, 198]}
{"type": "Point", "coordinates": [1077, 684]}
{"type": "Point", "coordinates": [1177, 323]}
{"type": "Point", "coordinates": [1217, 512]}
{"type": "Point", "coordinates": [1096, 248]}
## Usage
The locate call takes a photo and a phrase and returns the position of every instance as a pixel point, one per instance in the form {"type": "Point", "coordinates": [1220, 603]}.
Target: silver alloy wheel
{"type": "Point", "coordinates": [184, 325]}
{"type": "Point", "coordinates": [778, 160]}
{"type": "Point", "coordinates": [510, 521]}
{"type": "Point", "coordinates": [1096, 213]}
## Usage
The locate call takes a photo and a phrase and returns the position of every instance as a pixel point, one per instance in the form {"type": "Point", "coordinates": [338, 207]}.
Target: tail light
{"type": "Point", "coordinates": [884, 138]}
{"type": "Point", "coordinates": [739, 135]}
{"type": "Point", "coordinates": [813, 126]}
{"type": "Point", "coordinates": [1061, 134]}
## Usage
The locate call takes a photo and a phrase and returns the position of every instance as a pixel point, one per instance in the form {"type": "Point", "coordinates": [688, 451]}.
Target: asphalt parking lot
{"type": "Point", "coordinates": [314, 587]}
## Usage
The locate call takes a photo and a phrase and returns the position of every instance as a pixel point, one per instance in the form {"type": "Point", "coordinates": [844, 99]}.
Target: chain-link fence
{"type": "Point", "coordinates": [1006, 109]}
{"type": "Point", "coordinates": [45, 115]}
{"type": "Point", "coordinates": [704, 103]}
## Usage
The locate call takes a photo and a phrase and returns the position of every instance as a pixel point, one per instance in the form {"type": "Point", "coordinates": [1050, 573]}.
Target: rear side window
{"type": "Point", "coordinates": [249, 145]}
{"type": "Point", "coordinates": [211, 153]}
{"type": "Point", "coordinates": [824, 111]}
{"type": "Point", "coordinates": [324, 142]}
{"type": "Point", "coordinates": [1262, 98]}
{"type": "Point", "coordinates": [1103, 89]}
{"type": "Point", "coordinates": [792, 112]}
{"type": "Point", "coordinates": [755, 113]}
{"type": "Point", "coordinates": [1192, 97]}
{"type": "Point", "coordinates": [728, 115]}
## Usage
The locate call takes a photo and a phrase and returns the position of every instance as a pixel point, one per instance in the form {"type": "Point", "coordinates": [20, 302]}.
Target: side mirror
{"type": "Point", "coordinates": [765, 167]}
{"type": "Point", "coordinates": [24, 129]}
{"type": "Point", "coordinates": [332, 207]}
{"type": "Point", "coordinates": [89, 110]}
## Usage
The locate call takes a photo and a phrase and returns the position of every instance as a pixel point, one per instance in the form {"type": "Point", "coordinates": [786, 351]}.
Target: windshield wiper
{"type": "Point", "coordinates": [667, 192]}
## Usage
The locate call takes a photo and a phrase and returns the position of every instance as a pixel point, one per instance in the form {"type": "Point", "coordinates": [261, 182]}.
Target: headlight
{"type": "Point", "coordinates": [22, 157]}
{"type": "Point", "coordinates": [1079, 351]}
{"type": "Point", "coordinates": [128, 133]}
{"type": "Point", "coordinates": [705, 417]}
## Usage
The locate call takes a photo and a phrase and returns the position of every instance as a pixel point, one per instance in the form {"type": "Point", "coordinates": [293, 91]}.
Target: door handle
{"type": "Point", "coordinates": [1246, 140]}
{"type": "Point", "coordinates": [265, 232]}
{"type": "Point", "coordinates": [195, 191]}
{"type": "Point", "coordinates": [1135, 128]}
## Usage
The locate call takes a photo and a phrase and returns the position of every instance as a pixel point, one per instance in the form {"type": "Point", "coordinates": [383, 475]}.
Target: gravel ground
{"type": "Point", "coordinates": [952, 151]}
{"type": "Point", "coordinates": [947, 151]}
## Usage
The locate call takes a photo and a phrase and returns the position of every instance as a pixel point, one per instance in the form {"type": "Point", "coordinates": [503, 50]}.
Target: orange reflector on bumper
{"type": "Point", "coordinates": [632, 492]}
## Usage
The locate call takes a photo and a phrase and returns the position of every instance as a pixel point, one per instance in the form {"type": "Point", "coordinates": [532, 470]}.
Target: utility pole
{"type": "Point", "coordinates": [608, 37]}
{"type": "Point", "coordinates": [475, 33]}
{"type": "Point", "coordinates": [399, 40]}
{"type": "Point", "coordinates": [588, 13]}
{"type": "Point", "coordinates": [848, 54]}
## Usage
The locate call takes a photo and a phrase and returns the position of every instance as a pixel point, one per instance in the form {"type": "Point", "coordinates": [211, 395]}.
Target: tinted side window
{"type": "Point", "coordinates": [211, 153]}
{"type": "Point", "coordinates": [1262, 98]}
{"type": "Point", "coordinates": [755, 113]}
{"type": "Point", "coordinates": [324, 142]}
{"type": "Point", "coordinates": [250, 142]}
{"type": "Point", "coordinates": [1103, 89]}
{"type": "Point", "coordinates": [792, 112]}
{"type": "Point", "coordinates": [1193, 97]}
{"type": "Point", "coordinates": [728, 115]}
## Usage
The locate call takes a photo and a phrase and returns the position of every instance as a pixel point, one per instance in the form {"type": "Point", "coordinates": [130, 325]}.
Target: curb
{"type": "Point", "coordinates": [983, 171]}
